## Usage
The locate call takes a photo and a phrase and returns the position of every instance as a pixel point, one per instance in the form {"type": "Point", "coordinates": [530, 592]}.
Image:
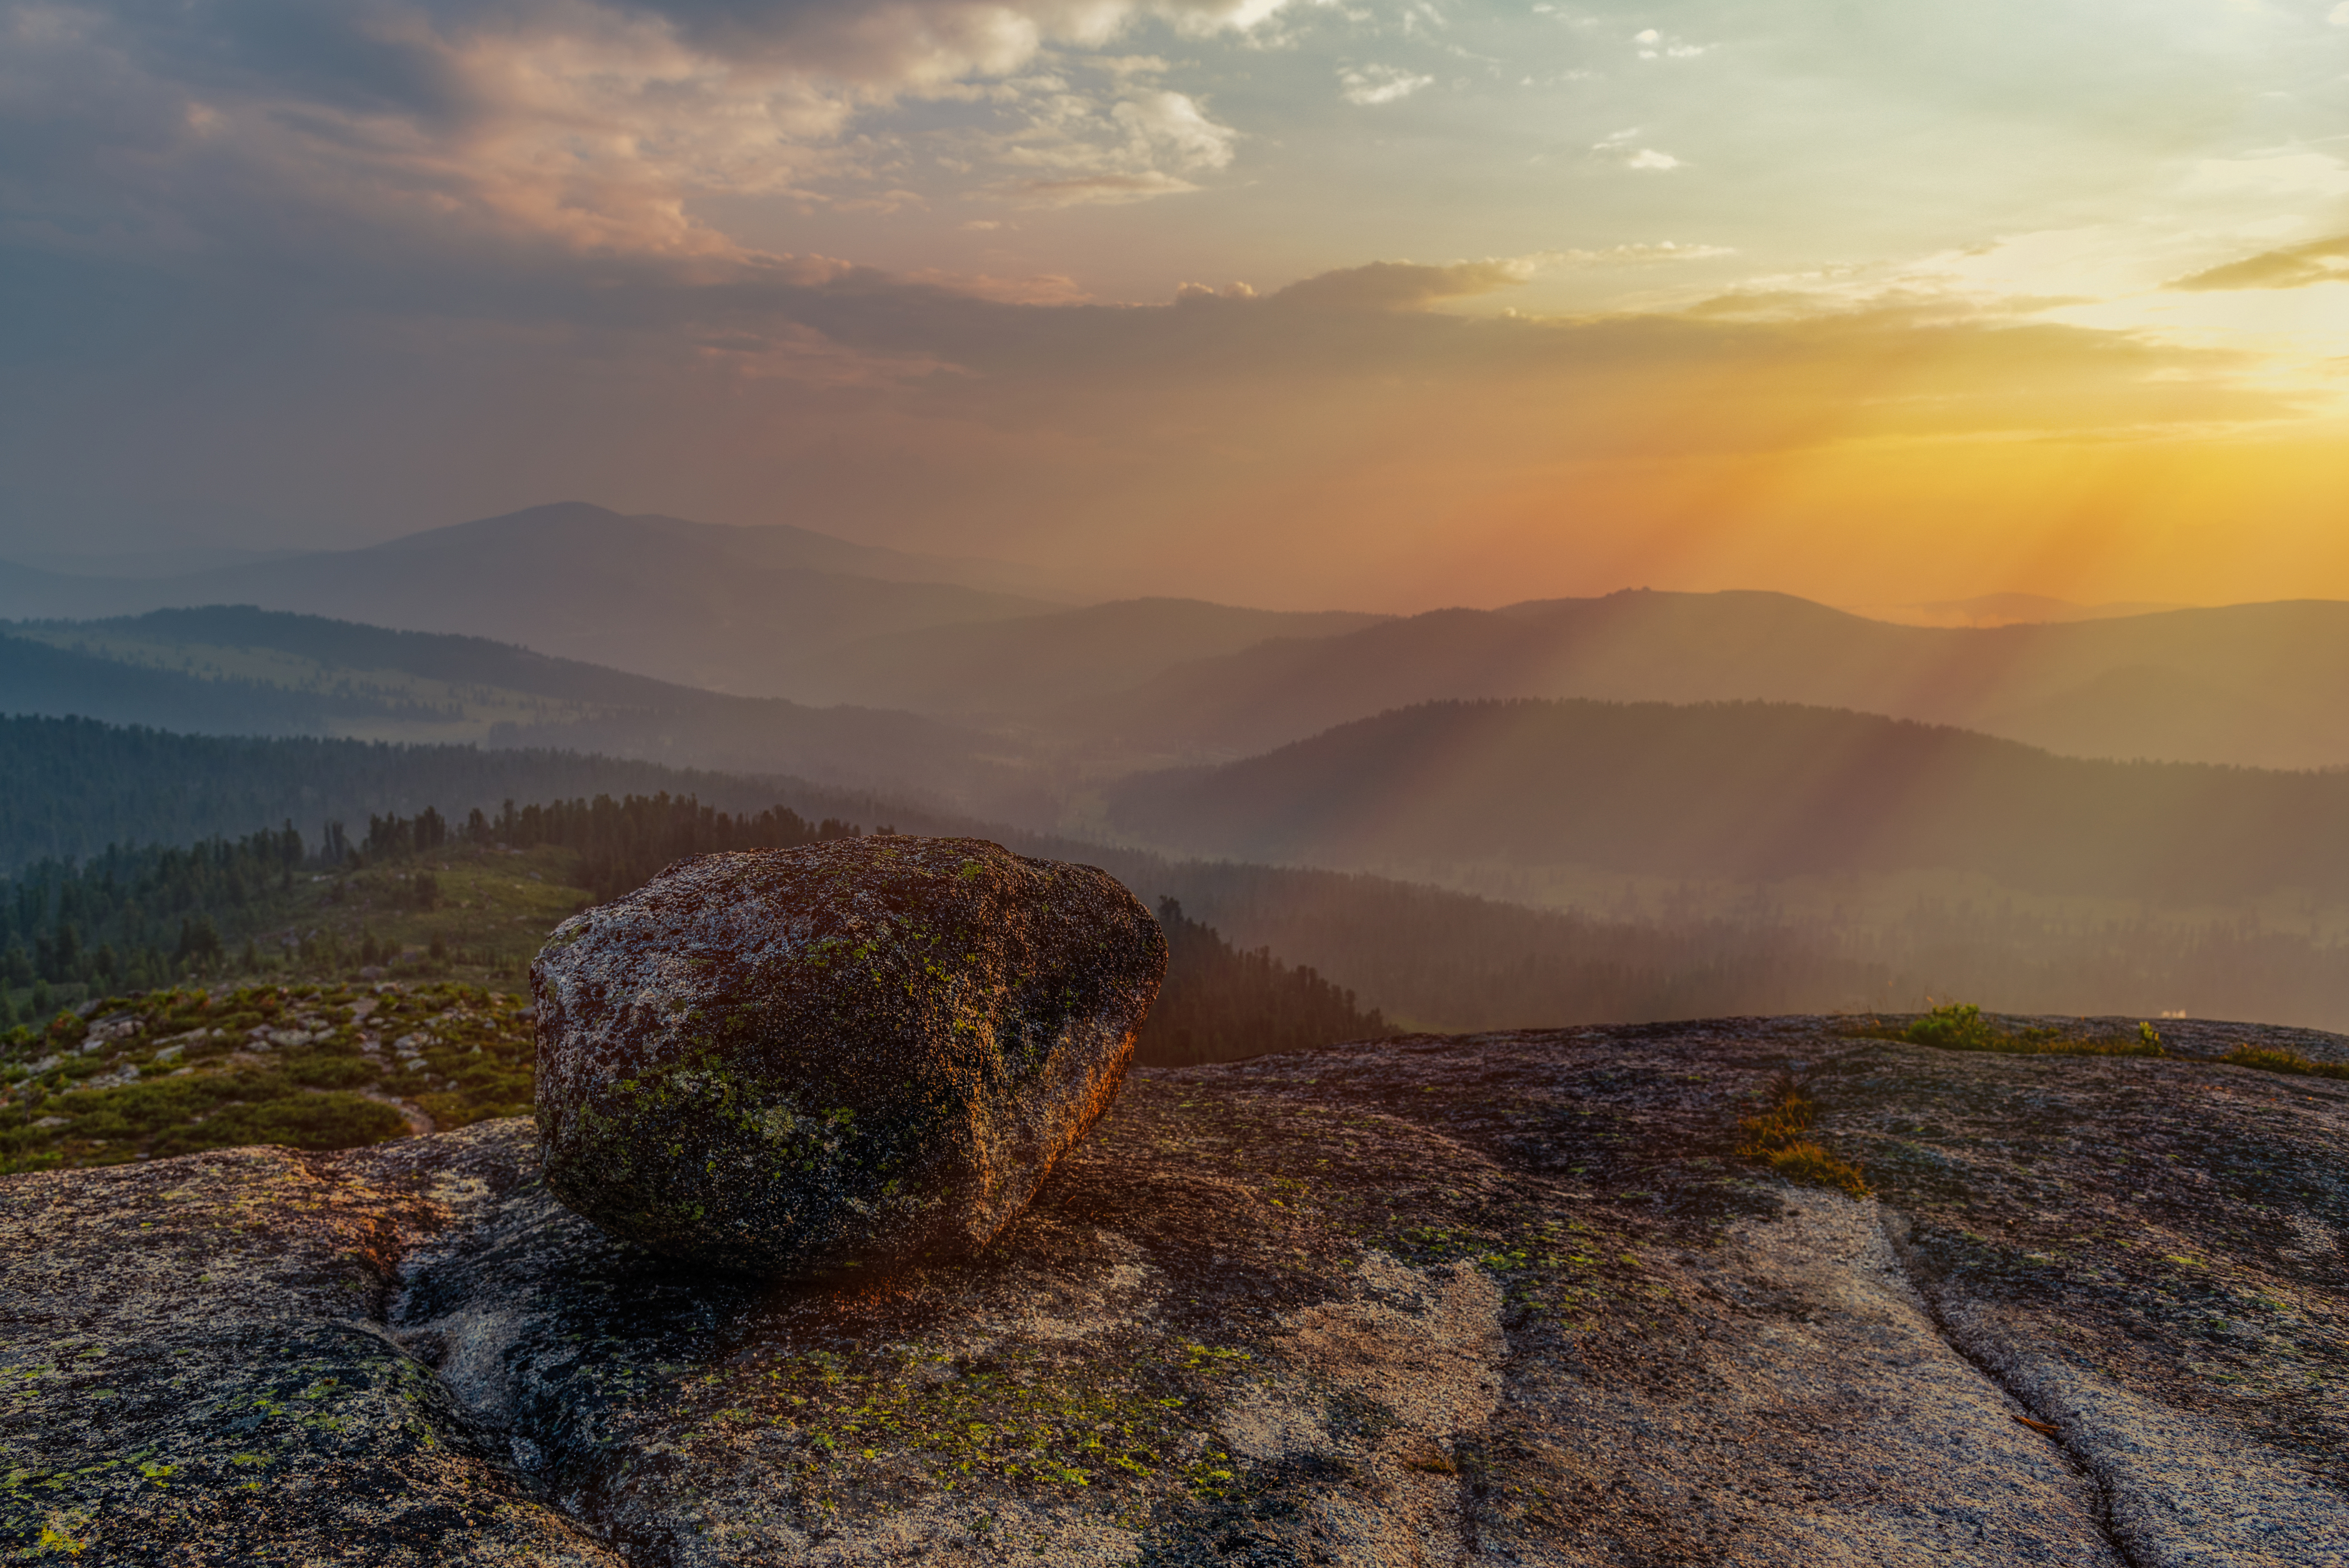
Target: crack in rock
{"type": "Point", "coordinates": [2179, 1491]}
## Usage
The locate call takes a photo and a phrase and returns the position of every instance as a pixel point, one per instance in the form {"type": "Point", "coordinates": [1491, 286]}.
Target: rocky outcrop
{"type": "Point", "coordinates": [859, 1053]}
{"type": "Point", "coordinates": [1509, 1297]}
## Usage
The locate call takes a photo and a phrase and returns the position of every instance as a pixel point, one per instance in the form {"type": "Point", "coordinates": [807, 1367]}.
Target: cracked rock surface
{"type": "Point", "coordinates": [1507, 1298]}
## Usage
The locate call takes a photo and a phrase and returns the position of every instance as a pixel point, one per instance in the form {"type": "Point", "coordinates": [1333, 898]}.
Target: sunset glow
{"type": "Point", "coordinates": [1292, 304]}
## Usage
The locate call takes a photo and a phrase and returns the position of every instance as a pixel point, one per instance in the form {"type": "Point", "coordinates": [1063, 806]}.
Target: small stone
{"type": "Point", "coordinates": [863, 1052]}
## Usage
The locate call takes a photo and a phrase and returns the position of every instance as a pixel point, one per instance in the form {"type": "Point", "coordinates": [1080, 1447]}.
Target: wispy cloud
{"type": "Point", "coordinates": [1370, 84]}
{"type": "Point", "coordinates": [2296, 266]}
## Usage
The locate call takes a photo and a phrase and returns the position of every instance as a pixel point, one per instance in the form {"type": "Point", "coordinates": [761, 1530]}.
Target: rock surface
{"type": "Point", "coordinates": [856, 1053]}
{"type": "Point", "coordinates": [1508, 1297]}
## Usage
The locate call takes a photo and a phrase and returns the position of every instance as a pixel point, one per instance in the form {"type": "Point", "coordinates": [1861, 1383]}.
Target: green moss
{"type": "Point", "coordinates": [2269, 1059]}
{"type": "Point", "coordinates": [872, 1422]}
{"type": "Point", "coordinates": [1960, 1027]}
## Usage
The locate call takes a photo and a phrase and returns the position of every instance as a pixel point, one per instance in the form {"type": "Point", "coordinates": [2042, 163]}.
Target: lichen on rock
{"type": "Point", "coordinates": [855, 1054]}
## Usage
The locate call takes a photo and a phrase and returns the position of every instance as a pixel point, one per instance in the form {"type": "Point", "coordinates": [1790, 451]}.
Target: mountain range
{"type": "Point", "coordinates": [236, 670]}
{"type": "Point", "coordinates": [727, 609]}
{"type": "Point", "coordinates": [1750, 791]}
{"type": "Point", "coordinates": [791, 614]}
{"type": "Point", "coordinates": [2253, 684]}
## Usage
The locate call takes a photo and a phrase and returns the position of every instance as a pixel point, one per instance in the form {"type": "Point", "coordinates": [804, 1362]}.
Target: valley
{"type": "Point", "coordinates": [1645, 805]}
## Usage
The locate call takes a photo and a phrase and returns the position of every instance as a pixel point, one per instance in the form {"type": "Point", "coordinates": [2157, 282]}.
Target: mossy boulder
{"type": "Point", "coordinates": [855, 1054]}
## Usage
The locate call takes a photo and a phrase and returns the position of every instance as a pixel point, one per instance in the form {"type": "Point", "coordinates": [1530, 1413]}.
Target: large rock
{"type": "Point", "coordinates": [857, 1052]}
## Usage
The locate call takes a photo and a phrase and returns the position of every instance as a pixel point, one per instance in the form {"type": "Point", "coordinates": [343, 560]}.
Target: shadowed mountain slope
{"type": "Point", "coordinates": [2259, 685]}
{"type": "Point", "coordinates": [240, 671]}
{"type": "Point", "coordinates": [1750, 791]}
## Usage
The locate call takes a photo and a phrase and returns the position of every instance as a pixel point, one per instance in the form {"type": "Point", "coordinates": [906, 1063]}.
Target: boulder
{"type": "Point", "coordinates": [859, 1053]}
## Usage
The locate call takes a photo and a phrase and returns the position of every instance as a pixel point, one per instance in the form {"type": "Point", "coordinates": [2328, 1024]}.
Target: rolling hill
{"type": "Point", "coordinates": [728, 609]}
{"type": "Point", "coordinates": [1754, 792]}
{"type": "Point", "coordinates": [237, 670]}
{"type": "Point", "coordinates": [1431, 957]}
{"type": "Point", "coordinates": [2256, 684]}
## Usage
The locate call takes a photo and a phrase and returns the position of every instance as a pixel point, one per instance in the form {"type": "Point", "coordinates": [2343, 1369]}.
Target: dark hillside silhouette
{"type": "Point", "coordinates": [1751, 791]}
{"type": "Point", "coordinates": [550, 703]}
{"type": "Point", "coordinates": [76, 786]}
{"type": "Point", "coordinates": [728, 609]}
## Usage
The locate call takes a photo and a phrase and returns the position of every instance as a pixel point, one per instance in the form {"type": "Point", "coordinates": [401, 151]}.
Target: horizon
{"type": "Point", "coordinates": [1975, 612]}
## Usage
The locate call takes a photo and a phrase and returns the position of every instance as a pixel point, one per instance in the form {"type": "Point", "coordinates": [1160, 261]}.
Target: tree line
{"type": "Point", "coordinates": [76, 786]}
{"type": "Point", "coordinates": [1220, 1004]}
{"type": "Point", "coordinates": [133, 917]}
{"type": "Point", "coordinates": [623, 844]}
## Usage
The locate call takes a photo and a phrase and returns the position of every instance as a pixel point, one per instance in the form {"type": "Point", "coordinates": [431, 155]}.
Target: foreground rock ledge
{"type": "Point", "coordinates": [859, 1053]}
{"type": "Point", "coordinates": [1508, 1297]}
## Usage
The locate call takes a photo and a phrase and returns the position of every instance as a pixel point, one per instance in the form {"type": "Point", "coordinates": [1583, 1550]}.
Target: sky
{"type": "Point", "coordinates": [1373, 306]}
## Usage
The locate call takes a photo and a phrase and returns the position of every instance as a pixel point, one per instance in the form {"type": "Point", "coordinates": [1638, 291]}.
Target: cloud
{"type": "Point", "coordinates": [1095, 190]}
{"type": "Point", "coordinates": [1639, 254]}
{"type": "Point", "coordinates": [1129, 143]}
{"type": "Point", "coordinates": [1401, 285]}
{"type": "Point", "coordinates": [1653, 47]}
{"type": "Point", "coordinates": [598, 126]}
{"type": "Point", "coordinates": [2340, 15]}
{"type": "Point", "coordinates": [2318, 262]}
{"type": "Point", "coordinates": [1380, 84]}
{"type": "Point", "coordinates": [1618, 143]}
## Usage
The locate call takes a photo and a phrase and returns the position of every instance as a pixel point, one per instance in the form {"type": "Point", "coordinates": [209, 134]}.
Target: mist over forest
{"type": "Point", "coordinates": [1640, 807]}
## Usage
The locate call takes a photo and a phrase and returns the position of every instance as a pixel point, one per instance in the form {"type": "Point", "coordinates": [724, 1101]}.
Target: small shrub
{"type": "Point", "coordinates": [2275, 1059]}
{"type": "Point", "coordinates": [1960, 1027]}
{"type": "Point", "coordinates": [1954, 1026]}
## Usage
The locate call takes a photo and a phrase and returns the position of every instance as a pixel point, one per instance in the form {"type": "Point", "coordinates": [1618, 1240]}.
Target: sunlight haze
{"type": "Point", "coordinates": [1304, 306]}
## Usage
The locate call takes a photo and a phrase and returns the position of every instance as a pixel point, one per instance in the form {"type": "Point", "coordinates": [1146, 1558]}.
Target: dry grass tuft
{"type": "Point", "coordinates": [1780, 1138]}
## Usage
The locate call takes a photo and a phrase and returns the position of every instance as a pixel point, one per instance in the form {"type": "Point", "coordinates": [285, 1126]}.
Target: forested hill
{"type": "Point", "coordinates": [245, 672]}
{"type": "Point", "coordinates": [1752, 792]}
{"type": "Point", "coordinates": [75, 786]}
{"type": "Point", "coordinates": [1427, 957]}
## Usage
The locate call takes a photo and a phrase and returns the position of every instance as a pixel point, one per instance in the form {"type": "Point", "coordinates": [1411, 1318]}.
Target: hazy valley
{"type": "Point", "coordinates": [1641, 806]}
